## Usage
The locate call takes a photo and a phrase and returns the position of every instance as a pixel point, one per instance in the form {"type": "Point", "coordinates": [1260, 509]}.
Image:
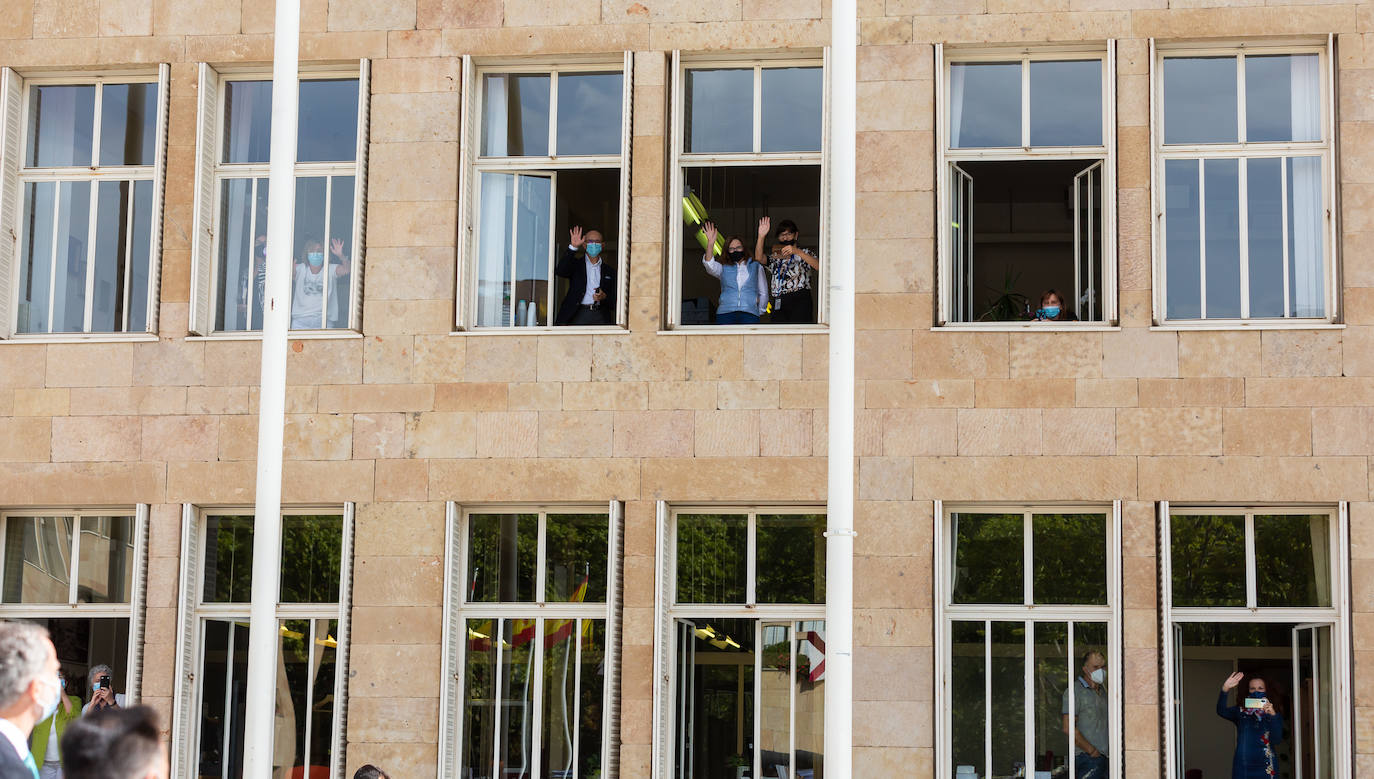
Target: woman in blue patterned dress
{"type": "Point", "coordinates": [1258, 730]}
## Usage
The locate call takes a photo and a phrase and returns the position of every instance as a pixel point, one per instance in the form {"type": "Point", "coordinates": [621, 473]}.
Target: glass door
{"type": "Point", "coordinates": [1311, 726]}
{"type": "Point", "coordinates": [1087, 234]}
{"type": "Point", "coordinates": [961, 242]}
{"type": "Point", "coordinates": [515, 249]}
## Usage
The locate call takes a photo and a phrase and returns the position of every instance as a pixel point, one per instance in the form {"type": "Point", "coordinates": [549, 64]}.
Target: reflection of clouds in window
{"type": "Point", "coordinates": [328, 121]}
{"type": "Point", "coordinates": [589, 106]}
{"type": "Point", "coordinates": [515, 115]}
{"type": "Point", "coordinates": [792, 109]}
{"type": "Point", "coordinates": [985, 104]}
{"type": "Point", "coordinates": [720, 110]}
{"type": "Point", "coordinates": [1200, 100]}
{"type": "Point", "coordinates": [1066, 103]}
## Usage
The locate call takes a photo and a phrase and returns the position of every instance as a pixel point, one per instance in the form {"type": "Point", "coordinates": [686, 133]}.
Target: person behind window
{"type": "Point", "coordinates": [29, 692]}
{"type": "Point", "coordinates": [103, 695]}
{"type": "Point", "coordinates": [308, 280]}
{"type": "Point", "coordinates": [115, 744]}
{"type": "Point", "coordinates": [370, 771]}
{"type": "Point", "coordinates": [743, 285]}
{"type": "Point", "coordinates": [591, 281]}
{"type": "Point", "coordinates": [1052, 308]}
{"type": "Point", "coordinates": [45, 743]}
{"type": "Point", "coordinates": [1259, 729]}
{"type": "Point", "coordinates": [1090, 723]}
{"type": "Point", "coordinates": [791, 268]}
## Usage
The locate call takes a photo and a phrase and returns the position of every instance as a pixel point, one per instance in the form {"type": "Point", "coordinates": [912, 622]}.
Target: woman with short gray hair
{"type": "Point", "coordinates": [103, 696]}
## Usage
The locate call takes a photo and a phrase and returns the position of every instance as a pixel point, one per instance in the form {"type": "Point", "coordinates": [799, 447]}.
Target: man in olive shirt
{"type": "Point", "coordinates": [1090, 726]}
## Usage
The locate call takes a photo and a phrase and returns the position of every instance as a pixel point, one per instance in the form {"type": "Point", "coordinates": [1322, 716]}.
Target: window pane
{"type": "Point", "coordinates": [712, 554]}
{"type": "Point", "coordinates": [808, 690]}
{"type": "Point", "coordinates": [515, 115]}
{"type": "Point", "coordinates": [479, 698]}
{"type": "Point", "coordinates": [719, 110]}
{"type": "Point", "coordinates": [1264, 214]}
{"type": "Point", "coordinates": [35, 256]}
{"type": "Point", "coordinates": [341, 230]}
{"type": "Point", "coordinates": [715, 697]}
{"type": "Point", "coordinates": [984, 104]}
{"type": "Point", "coordinates": [1305, 230]}
{"type": "Point", "coordinates": [790, 560]}
{"type": "Point", "coordinates": [791, 110]}
{"type": "Point", "coordinates": [1207, 554]}
{"type": "Point", "coordinates": [775, 704]}
{"type": "Point", "coordinates": [1069, 553]}
{"type": "Point", "coordinates": [105, 573]}
{"type": "Point", "coordinates": [1008, 697]}
{"type": "Point", "coordinates": [1055, 667]}
{"type": "Point", "coordinates": [968, 696]}
{"type": "Point", "coordinates": [305, 710]}
{"type": "Point", "coordinates": [1293, 560]}
{"type": "Point", "coordinates": [321, 294]}
{"type": "Point", "coordinates": [242, 261]}
{"type": "Point", "coordinates": [69, 280]}
{"type": "Point", "coordinates": [328, 121]}
{"type": "Point", "coordinates": [228, 559]}
{"type": "Point", "coordinates": [111, 260]}
{"type": "Point", "coordinates": [222, 688]}
{"type": "Point", "coordinates": [575, 548]}
{"type": "Point", "coordinates": [1091, 707]}
{"type": "Point", "coordinates": [247, 121]}
{"type": "Point", "coordinates": [85, 642]}
{"type": "Point", "coordinates": [1066, 103]}
{"type": "Point", "coordinates": [1182, 239]}
{"type": "Point", "coordinates": [589, 113]}
{"type": "Point", "coordinates": [514, 230]}
{"type": "Point", "coordinates": [311, 551]}
{"type": "Point", "coordinates": [1222, 210]}
{"type": "Point", "coordinates": [516, 670]}
{"type": "Point", "coordinates": [502, 552]}
{"type": "Point", "coordinates": [140, 254]}
{"type": "Point", "coordinates": [128, 124]}
{"type": "Point", "coordinates": [573, 697]}
{"type": "Point", "coordinates": [987, 556]}
{"type": "Point", "coordinates": [1283, 98]}
{"type": "Point", "coordinates": [61, 126]}
{"type": "Point", "coordinates": [1200, 100]}
{"type": "Point", "coordinates": [38, 559]}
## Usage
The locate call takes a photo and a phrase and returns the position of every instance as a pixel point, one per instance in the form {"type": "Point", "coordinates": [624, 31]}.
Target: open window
{"type": "Point", "coordinates": [748, 142]}
{"type": "Point", "coordinates": [1027, 181]}
{"type": "Point", "coordinates": [546, 149]}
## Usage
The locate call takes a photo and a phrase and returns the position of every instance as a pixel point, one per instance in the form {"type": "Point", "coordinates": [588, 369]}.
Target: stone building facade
{"type": "Point", "coordinates": [407, 418]}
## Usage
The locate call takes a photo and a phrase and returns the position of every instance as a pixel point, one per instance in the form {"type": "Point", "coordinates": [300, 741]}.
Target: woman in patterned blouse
{"type": "Point", "coordinates": [790, 268]}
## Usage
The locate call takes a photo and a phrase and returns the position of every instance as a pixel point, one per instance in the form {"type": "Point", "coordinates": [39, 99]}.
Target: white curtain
{"type": "Point", "coordinates": [494, 89]}
{"type": "Point", "coordinates": [493, 249]}
{"type": "Point", "coordinates": [1305, 181]}
{"type": "Point", "coordinates": [956, 104]}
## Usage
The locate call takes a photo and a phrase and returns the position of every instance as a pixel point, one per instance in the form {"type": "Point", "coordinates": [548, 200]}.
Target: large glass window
{"type": "Point", "coordinates": [87, 194]}
{"type": "Point", "coordinates": [311, 653]}
{"type": "Point", "coordinates": [548, 208]}
{"type": "Point", "coordinates": [1027, 188]}
{"type": "Point", "coordinates": [79, 574]}
{"type": "Point", "coordinates": [1029, 615]}
{"type": "Point", "coordinates": [330, 165]}
{"type": "Point", "coordinates": [1253, 601]}
{"type": "Point", "coordinates": [748, 145]}
{"type": "Point", "coordinates": [536, 650]}
{"type": "Point", "coordinates": [1243, 150]}
{"type": "Point", "coordinates": [747, 638]}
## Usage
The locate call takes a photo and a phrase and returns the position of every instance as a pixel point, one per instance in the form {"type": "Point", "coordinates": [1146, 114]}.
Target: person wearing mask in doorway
{"type": "Point", "coordinates": [791, 267]}
{"type": "Point", "coordinates": [590, 299]}
{"type": "Point", "coordinates": [743, 280]}
{"type": "Point", "coordinates": [29, 693]}
{"type": "Point", "coordinates": [307, 286]}
{"type": "Point", "coordinates": [1052, 308]}
{"type": "Point", "coordinates": [1090, 718]}
{"type": "Point", "coordinates": [103, 695]}
{"type": "Point", "coordinates": [47, 735]}
{"type": "Point", "coordinates": [1259, 728]}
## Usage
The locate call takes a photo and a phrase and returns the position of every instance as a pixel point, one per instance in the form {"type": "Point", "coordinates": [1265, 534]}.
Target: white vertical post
{"type": "Point", "coordinates": [839, 548]}
{"type": "Point", "coordinates": [281, 208]}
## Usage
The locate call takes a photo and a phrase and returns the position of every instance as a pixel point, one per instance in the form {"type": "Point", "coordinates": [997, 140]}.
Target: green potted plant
{"type": "Point", "coordinates": [1009, 305]}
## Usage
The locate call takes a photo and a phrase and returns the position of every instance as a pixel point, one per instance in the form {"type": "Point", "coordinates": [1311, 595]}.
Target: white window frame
{"type": "Point", "coordinates": [211, 171]}
{"type": "Point", "coordinates": [1325, 148]}
{"type": "Point", "coordinates": [194, 613]}
{"type": "Point", "coordinates": [1336, 616]}
{"type": "Point", "coordinates": [133, 610]}
{"type": "Point", "coordinates": [14, 108]}
{"type": "Point", "coordinates": [667, 610]}
{"type": "Point", "coordinates": [679, 159]}
{"type": "Point", "coordinates": [472, 164]}
{"type": "Point", "coordinates": [947, 612]}
{"type": "Point", "coordinates": [457, 610]}
{"type": "Point", "coordinates": [945, 156]}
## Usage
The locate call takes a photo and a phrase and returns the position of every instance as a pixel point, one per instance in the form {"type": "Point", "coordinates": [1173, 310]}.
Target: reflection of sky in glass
{"type": "Point", "coordinates": [61, 123]}
{"type": "Point", "coordinates": [589, 106]}
{"type": "Point", "coordinates": [1305, 243]}
{"type": "Point", "coordinates": [328, 121]}
{"type": "Point", "coordinates": [128, 124]}
{"type": "Point", "coordinates": [1181, 250]}
{"type": "Point", "coordinates": [985, 104]}
{"type": "Point", "coordinates": [1281, 98]}
{"type": "Point", "coordinates": [515, 115]}
{"type": "Point", "coordinates": [1200, 100]}
{"type": "Point", "coordinates": [1066, 103]}
{"type": "Point", "coordinates": [1222, 185]}
{"type": "Point", "coordinates": [720, 110]}
{"type": "Point", "coordinates": [791, 109]}
{"type": "Point", "coordinates": [1264, 207]}
{"type": "Point", "coordinates": [247, 121]}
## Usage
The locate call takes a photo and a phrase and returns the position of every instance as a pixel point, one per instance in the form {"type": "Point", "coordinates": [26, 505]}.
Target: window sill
{"type": "Point", "coordinates": [1236, 326]}
{"type": "Point", "coordinates": [82, 338]}
{"type": "Point", "coordinates": [308, 335]}
{"type": "Point", "coordinates": [545, 330]}
{"type": "Point", "coordinates": [747, 330]}
{"type": "Point", "coordinates": [1025, 327]}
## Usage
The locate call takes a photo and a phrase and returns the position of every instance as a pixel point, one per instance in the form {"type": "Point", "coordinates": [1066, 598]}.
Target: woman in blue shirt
{"type": "Point", "coordinates": [1258, 730]}
{"type": "Point", "coordinates": [743, 280]}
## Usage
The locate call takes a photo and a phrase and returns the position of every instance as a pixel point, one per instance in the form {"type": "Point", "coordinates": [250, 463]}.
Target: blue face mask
{"type": "Point", "coordinates": [1051, 311]}
{"type": "Point", "coordinates": [593, 249]}
{"type": "Point", "coordinates": [316, 259]}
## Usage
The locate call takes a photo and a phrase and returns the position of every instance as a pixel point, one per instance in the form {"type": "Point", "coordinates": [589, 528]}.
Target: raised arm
{"type": "Point", "coordinates": [708, 260]}
{"type": "Point", "coordinates": [1229, 712]}
{"type": "Point", "coordinates": [765, 226]}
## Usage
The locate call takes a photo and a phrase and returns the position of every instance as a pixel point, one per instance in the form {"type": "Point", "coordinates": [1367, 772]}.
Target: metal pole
{"type": "Point", "coordinates": [839, 548]}
{"type": "Point", "coordinates": [281, 207]}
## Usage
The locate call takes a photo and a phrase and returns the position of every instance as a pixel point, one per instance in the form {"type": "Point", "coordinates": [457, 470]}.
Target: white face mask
{"type": "Point", "coordinates": [1099, 676]}
{"type": "Point", "coordinates": [49, 709]}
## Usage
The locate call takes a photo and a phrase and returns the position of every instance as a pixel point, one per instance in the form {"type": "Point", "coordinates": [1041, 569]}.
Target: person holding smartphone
{"type": "Point", "coordinates": [103, 695]}
{"type": "Point", "coordinates": [1259, 728]}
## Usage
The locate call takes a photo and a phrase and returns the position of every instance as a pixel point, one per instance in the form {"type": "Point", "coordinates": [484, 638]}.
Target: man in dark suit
{"type": "Point", "coordinates": [591, 281]}
{"type": "Point", "coordinates": [29, 692]}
